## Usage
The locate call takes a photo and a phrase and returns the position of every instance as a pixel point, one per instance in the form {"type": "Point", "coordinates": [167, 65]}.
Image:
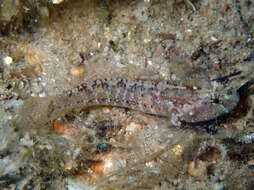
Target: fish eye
{"type": "Point", "coordinates": [230, 92]}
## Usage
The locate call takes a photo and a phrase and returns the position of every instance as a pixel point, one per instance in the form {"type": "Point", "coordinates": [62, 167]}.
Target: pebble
{"type": "Point", "coordinates": [7, 60]}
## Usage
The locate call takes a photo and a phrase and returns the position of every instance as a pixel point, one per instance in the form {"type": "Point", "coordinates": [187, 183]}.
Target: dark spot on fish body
{"type": "Point", "coordinates": [69, 93]}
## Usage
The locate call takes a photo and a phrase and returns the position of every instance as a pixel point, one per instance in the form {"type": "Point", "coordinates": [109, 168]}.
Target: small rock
{"type": "Point", "coordinates": [57, 1]}
{"type": "Point", "coordinates": [197, 169]}
{"type": "Point", "coordinates": [7, 60]}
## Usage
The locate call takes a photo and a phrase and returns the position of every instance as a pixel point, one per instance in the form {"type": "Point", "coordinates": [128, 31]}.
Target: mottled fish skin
{"type": "Point", "coordinates": [162, 98]}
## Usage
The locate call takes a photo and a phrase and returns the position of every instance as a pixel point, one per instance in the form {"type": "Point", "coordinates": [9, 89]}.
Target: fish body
{"type": "Point", "coordinates": [163, 98]}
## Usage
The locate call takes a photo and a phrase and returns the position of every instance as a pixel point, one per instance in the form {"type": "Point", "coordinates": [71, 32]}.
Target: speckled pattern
{"type": "Point", "coordinates": [163, 98]}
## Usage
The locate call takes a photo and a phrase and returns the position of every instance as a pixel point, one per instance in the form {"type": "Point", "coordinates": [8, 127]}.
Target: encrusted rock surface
{"type": "Point", "coordinates": [48, 47]}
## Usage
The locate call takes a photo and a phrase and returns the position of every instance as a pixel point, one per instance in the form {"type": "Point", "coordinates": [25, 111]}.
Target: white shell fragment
{"type": "Point", "coordinates": [57, 1]}
{"type": "Point", "coordinates": [7, 60]}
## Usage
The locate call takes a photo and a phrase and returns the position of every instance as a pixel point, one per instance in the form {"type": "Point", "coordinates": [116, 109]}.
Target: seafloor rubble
{"type": "Point", "coordinates": [48, 47]}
